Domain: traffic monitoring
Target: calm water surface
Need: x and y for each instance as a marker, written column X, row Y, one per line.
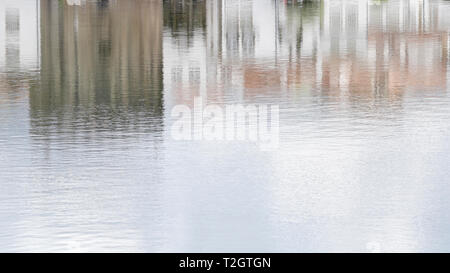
column 87, row 161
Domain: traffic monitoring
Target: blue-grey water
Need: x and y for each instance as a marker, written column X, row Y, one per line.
column 88, row 161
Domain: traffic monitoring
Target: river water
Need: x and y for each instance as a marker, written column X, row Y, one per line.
column 88, row 161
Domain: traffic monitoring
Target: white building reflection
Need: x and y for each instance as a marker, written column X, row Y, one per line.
column 19, row 35
column 19, row 48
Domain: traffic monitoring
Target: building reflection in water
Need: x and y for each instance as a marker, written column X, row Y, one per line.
column 19, row 60
column 101, row 66
column 362, row 88
column 338, row 49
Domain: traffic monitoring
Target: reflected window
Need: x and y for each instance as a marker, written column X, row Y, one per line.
column 12, row 21
column 12, row 24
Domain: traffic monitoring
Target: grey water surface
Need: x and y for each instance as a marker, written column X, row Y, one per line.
column 88, row 161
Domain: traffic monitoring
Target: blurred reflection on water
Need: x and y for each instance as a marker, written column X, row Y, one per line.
column 87, row 162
